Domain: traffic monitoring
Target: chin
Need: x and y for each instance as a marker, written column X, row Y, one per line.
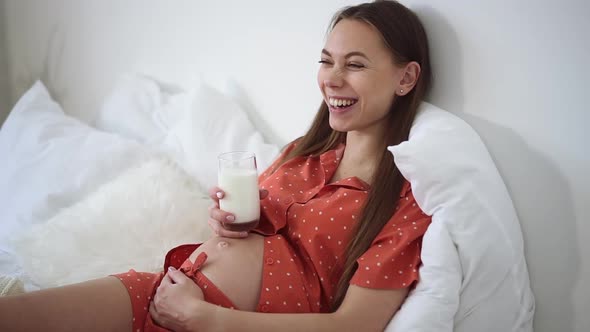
column 338, row 126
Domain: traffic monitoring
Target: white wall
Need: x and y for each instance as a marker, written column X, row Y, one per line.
column 516, row 70
column 4, row 79
column 81, row 46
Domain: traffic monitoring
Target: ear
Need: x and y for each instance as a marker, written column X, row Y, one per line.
column 411, row 73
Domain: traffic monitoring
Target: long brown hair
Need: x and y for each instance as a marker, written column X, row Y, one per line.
column 405, row 37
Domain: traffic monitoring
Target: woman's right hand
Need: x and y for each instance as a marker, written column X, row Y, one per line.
column 218, row 217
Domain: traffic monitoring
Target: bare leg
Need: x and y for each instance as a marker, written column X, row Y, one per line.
column 97, row 305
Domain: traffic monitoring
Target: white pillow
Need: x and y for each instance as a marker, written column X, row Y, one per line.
column 474, row 275
column 135, row 106
column 192, row 127
column 130, row 222
column 213, row 124
column 51, row 160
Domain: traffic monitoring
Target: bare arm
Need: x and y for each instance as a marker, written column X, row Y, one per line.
column 363, row 309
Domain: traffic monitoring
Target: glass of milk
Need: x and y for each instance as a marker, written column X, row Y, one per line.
column 238, row 178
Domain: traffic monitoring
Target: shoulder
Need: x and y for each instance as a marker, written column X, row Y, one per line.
column 285, row 151
column 290, row 146
column 407, row 215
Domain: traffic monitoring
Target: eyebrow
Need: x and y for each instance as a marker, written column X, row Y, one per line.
column 348, row 55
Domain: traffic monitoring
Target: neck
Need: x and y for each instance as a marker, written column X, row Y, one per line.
column 362, row 154
column 361, row 149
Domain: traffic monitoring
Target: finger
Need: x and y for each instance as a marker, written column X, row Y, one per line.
column 218, row 229
column 211, row 207
column 154, row 312
column 166, row 280
column 177, row 276
column 263, row 193
column 160, row 319
column 216, row 194
column 221, row 216
column 215, row 226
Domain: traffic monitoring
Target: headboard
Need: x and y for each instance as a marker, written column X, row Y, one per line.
column 515, row 70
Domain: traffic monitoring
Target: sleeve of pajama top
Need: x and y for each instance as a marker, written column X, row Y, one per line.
column 393, row 259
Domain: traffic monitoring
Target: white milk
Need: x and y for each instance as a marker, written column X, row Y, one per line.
column 241, row 193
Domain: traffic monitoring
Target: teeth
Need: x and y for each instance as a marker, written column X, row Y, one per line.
column 340, row 102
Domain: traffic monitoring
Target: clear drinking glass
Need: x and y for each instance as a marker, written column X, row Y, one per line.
column 237, row 176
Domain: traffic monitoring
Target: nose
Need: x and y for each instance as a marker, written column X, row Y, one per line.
column 333, row 78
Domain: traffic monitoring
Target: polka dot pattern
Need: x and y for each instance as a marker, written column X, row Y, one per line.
column 390, row 261
column 308, row 222
column 141, row 286
column 309, row 227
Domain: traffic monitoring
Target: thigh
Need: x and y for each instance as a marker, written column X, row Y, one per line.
column 96, row 305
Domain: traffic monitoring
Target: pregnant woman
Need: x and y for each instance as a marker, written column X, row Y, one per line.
column 340, row 233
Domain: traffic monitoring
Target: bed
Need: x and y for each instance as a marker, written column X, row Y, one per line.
column 93, row 131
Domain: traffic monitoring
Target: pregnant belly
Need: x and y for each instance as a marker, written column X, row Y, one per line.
column 235, row 267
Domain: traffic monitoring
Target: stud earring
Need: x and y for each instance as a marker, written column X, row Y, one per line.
column 401, row 91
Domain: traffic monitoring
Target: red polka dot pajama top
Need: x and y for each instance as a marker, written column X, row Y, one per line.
column 309, row 220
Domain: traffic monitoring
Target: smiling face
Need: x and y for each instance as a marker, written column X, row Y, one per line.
column 357, row 77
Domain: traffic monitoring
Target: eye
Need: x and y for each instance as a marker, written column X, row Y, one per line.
column 356, row 65
column 324, row 62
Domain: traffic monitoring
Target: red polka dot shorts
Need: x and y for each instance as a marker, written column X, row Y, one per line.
column 142, row 286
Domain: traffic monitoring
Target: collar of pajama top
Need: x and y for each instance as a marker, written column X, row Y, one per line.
column 304, row 181
column 317, row 218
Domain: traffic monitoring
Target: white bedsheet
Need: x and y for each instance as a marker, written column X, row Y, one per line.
column 466, row 285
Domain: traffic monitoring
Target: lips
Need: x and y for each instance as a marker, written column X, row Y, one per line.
column 340, row 110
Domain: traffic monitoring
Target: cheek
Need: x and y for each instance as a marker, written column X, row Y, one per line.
column 320, row 79
column 387, row 98
column 384, row 92
column 384, row 105
column 377, row 102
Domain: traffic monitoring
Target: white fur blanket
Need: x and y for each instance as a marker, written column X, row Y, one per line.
column 130, row 222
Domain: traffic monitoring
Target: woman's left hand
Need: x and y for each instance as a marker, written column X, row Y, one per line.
column 175, row 303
